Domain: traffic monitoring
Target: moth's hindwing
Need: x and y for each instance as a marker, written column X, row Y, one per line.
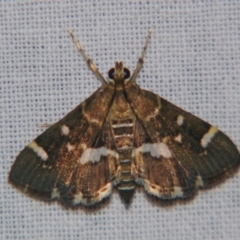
column 175, row 152
column 72, row 160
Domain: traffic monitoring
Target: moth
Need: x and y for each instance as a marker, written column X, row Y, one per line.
column 123, row 136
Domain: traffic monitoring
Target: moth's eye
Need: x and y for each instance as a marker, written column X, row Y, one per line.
column 111, row 73
column 126, row 73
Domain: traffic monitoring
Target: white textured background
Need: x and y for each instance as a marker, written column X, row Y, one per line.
column 193, row 60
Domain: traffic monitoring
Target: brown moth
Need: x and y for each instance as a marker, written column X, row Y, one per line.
column 123, row 136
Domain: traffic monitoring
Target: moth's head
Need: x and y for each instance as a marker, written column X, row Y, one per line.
column 119, row 74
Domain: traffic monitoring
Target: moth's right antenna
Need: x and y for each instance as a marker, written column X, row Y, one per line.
column 141, row 58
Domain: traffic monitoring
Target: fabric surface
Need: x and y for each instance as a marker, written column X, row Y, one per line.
column 193, row 60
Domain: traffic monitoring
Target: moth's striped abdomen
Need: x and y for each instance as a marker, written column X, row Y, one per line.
column 123, row 138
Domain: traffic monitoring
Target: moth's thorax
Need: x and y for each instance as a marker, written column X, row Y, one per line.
column 120, row 108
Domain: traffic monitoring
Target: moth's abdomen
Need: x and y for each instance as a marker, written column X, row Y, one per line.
column 123, row 138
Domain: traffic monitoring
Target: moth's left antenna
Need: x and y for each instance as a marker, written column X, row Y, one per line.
column 89, row 62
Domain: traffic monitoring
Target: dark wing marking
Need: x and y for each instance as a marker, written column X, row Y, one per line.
column 176, row 152
column 93, row 180
column 49, row 167
column 158, row 169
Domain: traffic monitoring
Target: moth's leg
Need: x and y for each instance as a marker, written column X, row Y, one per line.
column 141, row 58
column 90, row 63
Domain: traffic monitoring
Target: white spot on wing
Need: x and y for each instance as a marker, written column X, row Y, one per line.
column 38, row 150
column 207, row 137
column 165, row 139
column 161, row 192
column 177, row 192
column 83, row 146
column 180, row 120
column 155, row 149
column 65, row 130
column 154, row 114
column 89, row 117
column 199, row 181
column 178, row 138
column 100, row 194
column 105, row 191
column 94, row 154
column 152, row 188
column 70, row 147
column 78, row 198
column 55, row 193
